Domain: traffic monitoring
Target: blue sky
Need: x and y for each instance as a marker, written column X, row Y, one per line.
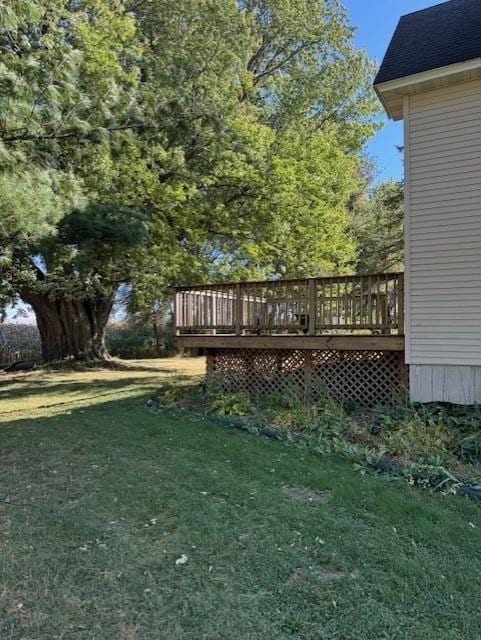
column 375, row 21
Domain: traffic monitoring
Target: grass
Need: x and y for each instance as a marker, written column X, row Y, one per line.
column 105, row 495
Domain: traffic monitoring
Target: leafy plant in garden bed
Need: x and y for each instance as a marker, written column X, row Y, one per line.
column 436, row 446
column 233, row 404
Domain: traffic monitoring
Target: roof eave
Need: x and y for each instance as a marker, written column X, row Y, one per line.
column 384, row 102
column 392, row 92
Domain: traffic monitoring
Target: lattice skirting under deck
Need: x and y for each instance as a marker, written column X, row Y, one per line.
column 368, row 378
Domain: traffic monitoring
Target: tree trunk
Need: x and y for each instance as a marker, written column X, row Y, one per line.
column 71, row 329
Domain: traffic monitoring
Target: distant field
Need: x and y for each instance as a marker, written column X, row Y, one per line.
column 18, row 342
column 119, row 522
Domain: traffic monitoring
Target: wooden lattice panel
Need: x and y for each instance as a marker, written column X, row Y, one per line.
column 365, row 377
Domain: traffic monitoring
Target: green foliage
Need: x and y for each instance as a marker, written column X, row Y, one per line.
column 173, row 394
column 290, row 413
column 67, row 70
column 28, row 211
column 308, row 180
column 417, row 440
column 305, row 66
column 426, row 445
column 62, row 93
column 29, row 206
column 231, row 404
column 469, row 448
column 429, row 434
column 378, row 227
column 137, row 339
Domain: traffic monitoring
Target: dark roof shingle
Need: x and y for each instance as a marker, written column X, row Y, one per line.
column 431, row 38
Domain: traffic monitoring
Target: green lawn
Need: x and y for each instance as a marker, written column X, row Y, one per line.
column 106, row 494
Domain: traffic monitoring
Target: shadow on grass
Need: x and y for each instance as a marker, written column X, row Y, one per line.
column 113, row 365
column 121, row 366
column 100, row 416
column 25, row 386
column 29, row 388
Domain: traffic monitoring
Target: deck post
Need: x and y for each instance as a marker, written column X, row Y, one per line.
column 400, row 319
column 312, row 306
column 177, row 310
column 238, row 310
column 210, row 364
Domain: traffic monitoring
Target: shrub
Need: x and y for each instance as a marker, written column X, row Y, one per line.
column 232, row 404
column 130, row 340
column 19, row 342
column 290, row 413
column 469, row 448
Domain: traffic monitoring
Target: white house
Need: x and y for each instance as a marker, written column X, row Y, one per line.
column 431, row 78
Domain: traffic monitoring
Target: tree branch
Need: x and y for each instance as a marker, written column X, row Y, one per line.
column 33, row 137
column 38, row 272
column 269, row 70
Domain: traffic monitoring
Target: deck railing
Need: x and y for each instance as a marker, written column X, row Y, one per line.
column 342, row 304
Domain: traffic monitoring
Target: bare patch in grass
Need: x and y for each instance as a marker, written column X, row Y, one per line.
column 128, row 631
column 298, row 576
column 302, row 494
column 326, row 575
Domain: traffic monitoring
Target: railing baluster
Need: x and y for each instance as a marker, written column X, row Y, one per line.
column 338, row 301
column 360, row 324
column 207, row 303
column 214, row 311
column 395, row 297
column 344, row 305
column 369, row 301
column 230, row 320
column 238, row 310
column 352, row 300
column 322, row 303
column 386, row 303
column 312, row 308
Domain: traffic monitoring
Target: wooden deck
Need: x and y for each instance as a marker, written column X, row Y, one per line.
column 328, row 343
column 342, row 335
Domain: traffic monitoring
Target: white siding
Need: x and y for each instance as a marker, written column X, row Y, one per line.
column 443, row 237
column 445, row 383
